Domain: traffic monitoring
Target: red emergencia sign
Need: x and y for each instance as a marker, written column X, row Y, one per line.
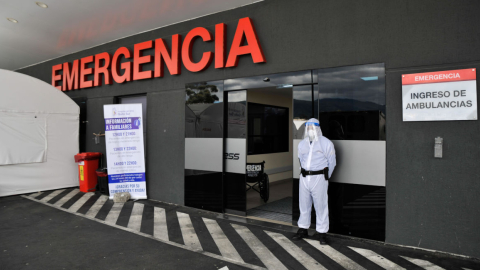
column 105, row 68
column 449, row 95
column 440, row 76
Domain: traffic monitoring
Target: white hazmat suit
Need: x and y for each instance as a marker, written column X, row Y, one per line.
column 315, row 153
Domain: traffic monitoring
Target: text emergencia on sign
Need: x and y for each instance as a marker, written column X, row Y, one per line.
column 440, row 96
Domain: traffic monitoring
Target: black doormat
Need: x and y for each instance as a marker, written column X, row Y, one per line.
column 280, row 210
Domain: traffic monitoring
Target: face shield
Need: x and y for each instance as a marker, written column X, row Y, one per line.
column 312, row 130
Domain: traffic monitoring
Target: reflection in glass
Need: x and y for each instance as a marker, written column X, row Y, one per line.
column 302, row 108
column 363, row 125
column 352, row 88
column 235, row 145
column 352, row 102
column 270, row 80
column 204, row 110
column 314, row 76
column 302, row 111
column 351, row 106
column 203, row 119
column 237, row 115
column 237, row 96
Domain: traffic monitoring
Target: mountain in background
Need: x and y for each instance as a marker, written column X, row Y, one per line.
column 302, row 108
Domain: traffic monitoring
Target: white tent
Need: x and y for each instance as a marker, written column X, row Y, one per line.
column 38, row 136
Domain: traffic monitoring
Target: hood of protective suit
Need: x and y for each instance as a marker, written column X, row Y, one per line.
column 312, row 130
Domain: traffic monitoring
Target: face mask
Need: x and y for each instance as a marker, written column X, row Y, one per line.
column 311, row 134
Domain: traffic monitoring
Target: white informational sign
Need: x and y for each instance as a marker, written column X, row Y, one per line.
column 125, row 154
column 440, row 96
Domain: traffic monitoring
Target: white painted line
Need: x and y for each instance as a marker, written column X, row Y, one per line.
column 80, row 202
column 338, row 257
column 67, row 197
column 377, row 259
column 160, row 230
column 93, row 211
column 114, row 213
column 188, row 232
column 52, row 195
column 223, row 244
column 296, row 252
column 224, row 268
column 33, row 195
column 423, row 264
column 262, row 252
column 135, row 221
column 205, row 253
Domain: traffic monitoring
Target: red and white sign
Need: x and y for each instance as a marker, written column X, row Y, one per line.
column 106, row 69
column 440, row 76
column 440, row 96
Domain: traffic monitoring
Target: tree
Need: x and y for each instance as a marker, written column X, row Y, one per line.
column 201, row 93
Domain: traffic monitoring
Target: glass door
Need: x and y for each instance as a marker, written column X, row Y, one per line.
column 204, row 145
column 304, row 108
column 352, row 115
column 235, row 155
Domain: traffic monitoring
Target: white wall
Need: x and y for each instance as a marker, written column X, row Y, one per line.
column 282, row 98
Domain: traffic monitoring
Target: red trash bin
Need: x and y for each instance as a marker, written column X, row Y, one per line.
column 87, row 166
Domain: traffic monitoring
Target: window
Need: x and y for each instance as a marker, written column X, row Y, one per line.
column 352, row 102
column 267, row 129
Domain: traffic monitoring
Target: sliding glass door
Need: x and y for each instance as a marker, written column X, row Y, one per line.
column 235, row 155
column 204, row 145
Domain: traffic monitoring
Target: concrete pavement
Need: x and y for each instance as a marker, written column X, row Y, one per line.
column 70, row 230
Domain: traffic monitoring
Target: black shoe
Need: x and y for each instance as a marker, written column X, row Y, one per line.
column 301, row 233
column 322, row 237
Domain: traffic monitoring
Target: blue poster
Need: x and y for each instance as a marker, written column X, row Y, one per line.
column 125, row 152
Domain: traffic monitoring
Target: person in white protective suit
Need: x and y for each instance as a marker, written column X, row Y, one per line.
column 317, row 160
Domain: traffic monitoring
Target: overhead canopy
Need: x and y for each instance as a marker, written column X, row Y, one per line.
column 38, row 136
column 66, row 27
